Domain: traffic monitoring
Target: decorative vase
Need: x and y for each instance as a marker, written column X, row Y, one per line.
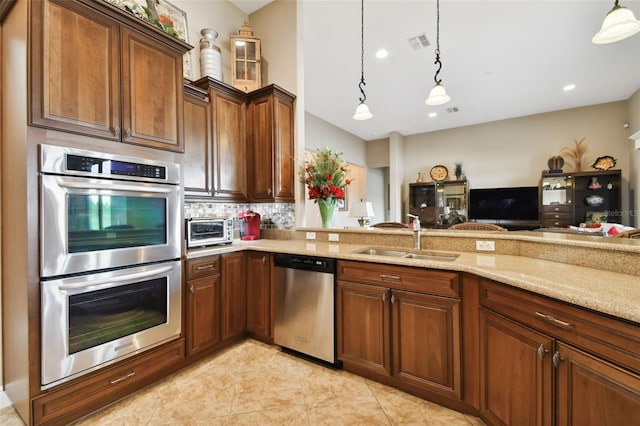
column 326, row 206
column 210, row 57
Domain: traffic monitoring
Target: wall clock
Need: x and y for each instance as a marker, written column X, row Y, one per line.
column 439, row 172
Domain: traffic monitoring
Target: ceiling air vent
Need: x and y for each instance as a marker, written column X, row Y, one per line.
column 452, row 109
column 419, row 41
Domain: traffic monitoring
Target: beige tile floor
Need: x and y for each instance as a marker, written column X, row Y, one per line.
column 255, row 384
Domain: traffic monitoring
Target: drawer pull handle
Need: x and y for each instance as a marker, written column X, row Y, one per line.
column 389, row 277
column 556, row 359
column 204, row 267
column 123, row 378
column 541, row 351
column 553, row 320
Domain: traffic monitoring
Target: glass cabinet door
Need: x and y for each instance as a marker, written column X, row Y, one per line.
column 556, row 200
column 452, row 203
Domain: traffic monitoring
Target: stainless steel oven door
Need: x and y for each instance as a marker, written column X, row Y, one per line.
column 91, row 320
column 90, row 224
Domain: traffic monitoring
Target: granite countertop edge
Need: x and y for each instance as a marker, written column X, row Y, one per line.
column 611, row 293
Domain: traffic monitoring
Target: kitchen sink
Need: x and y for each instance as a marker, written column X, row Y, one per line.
column 436, row 256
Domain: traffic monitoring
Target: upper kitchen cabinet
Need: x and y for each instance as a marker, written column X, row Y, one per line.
column 228, row 127
column 271, row 144
column 197, row 142
column 99, row 71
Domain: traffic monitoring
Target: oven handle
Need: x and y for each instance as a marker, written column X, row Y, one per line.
column 82, row 185
column 127, row 277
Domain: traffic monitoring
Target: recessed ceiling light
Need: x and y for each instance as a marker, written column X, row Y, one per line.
column 569, row 87
column 433, row 114
column 382, row 53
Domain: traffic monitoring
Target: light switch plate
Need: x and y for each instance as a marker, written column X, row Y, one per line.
column 485, row 245
column 311, row 235
column 334, row 237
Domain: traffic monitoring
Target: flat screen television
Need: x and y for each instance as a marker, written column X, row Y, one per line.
column 504, row 204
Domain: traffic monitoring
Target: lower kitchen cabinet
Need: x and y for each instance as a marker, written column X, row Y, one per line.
column 392, row 329
column 516, row 368
column 216, row 301
column 259, row 297
column 203, row 302
column 545, row 362
column 233, row 297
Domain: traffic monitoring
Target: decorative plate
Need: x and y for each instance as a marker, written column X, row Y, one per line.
column 604, row 163
column 439, row 172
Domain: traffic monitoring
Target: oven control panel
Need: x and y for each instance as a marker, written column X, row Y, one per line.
column 114, row 167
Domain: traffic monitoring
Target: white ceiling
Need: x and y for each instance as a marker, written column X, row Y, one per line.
column 501, row 59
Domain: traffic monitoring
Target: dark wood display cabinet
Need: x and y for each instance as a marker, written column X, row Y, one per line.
column 581, row 197
column 439, row 204
column 98, row 71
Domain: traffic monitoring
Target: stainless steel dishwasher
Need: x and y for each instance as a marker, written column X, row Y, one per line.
column 304, row 305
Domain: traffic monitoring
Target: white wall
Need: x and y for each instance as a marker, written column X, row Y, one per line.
column 378, row 192
column 514, row 152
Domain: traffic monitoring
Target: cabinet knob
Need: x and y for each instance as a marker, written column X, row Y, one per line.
column 384, row 297
column 557, row 209
column 556, row 359
column 116, row 132
column 393, row 299
column 269, row 191
column 193, row 290
column 128, row 133
column 541, row 351
column 264, row 259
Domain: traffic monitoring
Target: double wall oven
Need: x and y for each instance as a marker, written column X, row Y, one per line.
column 110, row 274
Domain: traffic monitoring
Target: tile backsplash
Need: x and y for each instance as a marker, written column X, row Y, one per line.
column 272, row 215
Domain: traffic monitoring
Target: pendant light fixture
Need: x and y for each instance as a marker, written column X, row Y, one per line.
column 619, row 24
column 438, row 94
column 362, row 111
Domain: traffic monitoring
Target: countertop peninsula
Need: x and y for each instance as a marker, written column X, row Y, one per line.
column 613, row 293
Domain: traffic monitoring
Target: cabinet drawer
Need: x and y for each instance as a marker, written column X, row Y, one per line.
column 614, row 339
column 557, row 208
column 95, row 391
column 207, row 266
column 401, row 277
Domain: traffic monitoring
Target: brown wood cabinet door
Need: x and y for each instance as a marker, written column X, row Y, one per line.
column 271, row 138
column 516, row 373
column 197, row 147
column 203, row 313
column 261, row 151
column 75, row 70
column 284, row 170
column 229, row 147
column 234, row 296
column 259, row 296
column 364, row 328
column 426, row 342
column 152, row 86
column 592, row 391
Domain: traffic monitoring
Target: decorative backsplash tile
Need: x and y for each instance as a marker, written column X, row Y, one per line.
column 272, row 215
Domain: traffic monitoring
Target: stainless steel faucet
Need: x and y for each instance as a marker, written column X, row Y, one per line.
column 416, row 231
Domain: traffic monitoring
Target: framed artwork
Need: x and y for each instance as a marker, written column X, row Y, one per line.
column 172, row 20
column 179, row 19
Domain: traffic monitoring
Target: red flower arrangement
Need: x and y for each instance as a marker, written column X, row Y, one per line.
column 325, row 175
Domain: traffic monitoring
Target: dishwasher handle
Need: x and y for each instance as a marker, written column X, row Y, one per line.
column 305, row 263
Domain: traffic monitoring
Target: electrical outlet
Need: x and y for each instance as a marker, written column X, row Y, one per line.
column 311, row 235
column 485, row 245
column 334, row 237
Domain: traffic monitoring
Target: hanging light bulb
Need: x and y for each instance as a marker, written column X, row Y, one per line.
column 438, row 94
column 362, row 110
column 619, row 24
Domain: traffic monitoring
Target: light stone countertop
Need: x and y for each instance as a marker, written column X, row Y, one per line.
column 612, row 293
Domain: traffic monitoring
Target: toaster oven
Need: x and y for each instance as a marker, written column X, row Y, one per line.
column 201, row 232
